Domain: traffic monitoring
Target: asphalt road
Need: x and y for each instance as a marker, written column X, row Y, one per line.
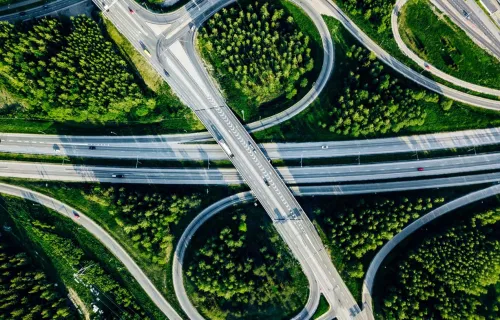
column 229, row 176
column 176, row 147
column 102, row 236
column 426, row 65
column 414, row 226
column 41, row 11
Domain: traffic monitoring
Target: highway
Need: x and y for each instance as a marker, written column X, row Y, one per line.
column 41, row 11
column 229, row 176
column 177, row 147
column 451, row 206
column 101, row 235
column 239, row 198
column 426, row 65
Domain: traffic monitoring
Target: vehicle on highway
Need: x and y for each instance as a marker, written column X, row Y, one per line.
column 251, row 146
column 76, row 215
column 226, row 149
column 105, row 6
column 324, row 147
column 420, row 169
column 266, row 181
column 22, row 13
column 117, row 175
column 131, row 10
column 427, row 66
column 92, row 147
column 45, row 6
column 146, row 52
column 166, row 73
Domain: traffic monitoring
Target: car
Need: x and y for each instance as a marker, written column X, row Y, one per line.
column 45, row 6
column 105, row 6
column 324, row 147
column 131, row 10
column 420, row 169
column 76, row 215
column 146, row 52
column 117, row 175
column 22, row 13
column 92, row 147
column 265, row 181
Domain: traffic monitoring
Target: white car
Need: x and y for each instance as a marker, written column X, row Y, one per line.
column 324, row 147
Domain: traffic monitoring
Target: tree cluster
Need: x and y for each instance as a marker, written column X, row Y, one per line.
column 69, row 72
column 236, row 267
column 448, row 275
column 148, row 217
column 372, row 102
column 25, row 291
column 109, row 295
column 365, row 226
column 260, row 48
column 376, row 12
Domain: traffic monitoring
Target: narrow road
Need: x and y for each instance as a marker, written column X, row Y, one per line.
column 100, row 234
column 414, row 226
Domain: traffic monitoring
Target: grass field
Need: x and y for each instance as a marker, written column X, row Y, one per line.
column 80, row 196
column 19, row 214
column 323, row 307
column 304, row 127
column 446, row 46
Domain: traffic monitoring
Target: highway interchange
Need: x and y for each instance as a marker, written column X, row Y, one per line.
column 167, row 42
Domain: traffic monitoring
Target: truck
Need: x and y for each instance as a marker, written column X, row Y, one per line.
column 222, row 143
column 226, row 149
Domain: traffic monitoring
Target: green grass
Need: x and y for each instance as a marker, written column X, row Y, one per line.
column 304, row 127
column 80, row 196
column 18, row 213
column 446, row 46
column 245, row 108
column 323, row 307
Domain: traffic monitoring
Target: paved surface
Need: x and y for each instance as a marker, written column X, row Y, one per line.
column 411, row 228
column 102, row 236
column 178, row 147
column 229, row 176
column 331, row 9
column 426, row 65
column 42, row 11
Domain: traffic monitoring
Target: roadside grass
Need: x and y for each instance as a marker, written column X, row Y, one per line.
column 246, row 110
column 304, row 127
column 446, row 46
column 323, row 307
column 18, row 213
column 261, row 233
column 81, row 197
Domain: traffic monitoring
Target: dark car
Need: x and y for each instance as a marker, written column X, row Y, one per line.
column 76, row 215
column 117, row 176
column 91, row 147
column 22, row 13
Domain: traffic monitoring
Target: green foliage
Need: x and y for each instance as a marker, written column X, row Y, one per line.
column 373, row 102
column 236, row 267
column 447, row 275
column 362, row 226
column 148, row 217
column 260, row 48
column 70, row 74
column 25, row 291
column 376, row 12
